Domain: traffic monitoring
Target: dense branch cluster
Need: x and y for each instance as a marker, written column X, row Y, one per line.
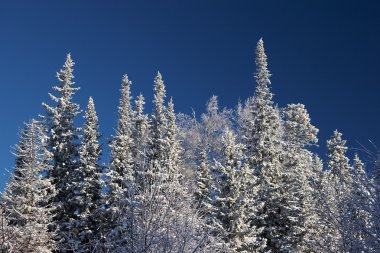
column 231, row 180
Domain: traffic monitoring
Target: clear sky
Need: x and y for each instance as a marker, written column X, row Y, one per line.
column 324, row 54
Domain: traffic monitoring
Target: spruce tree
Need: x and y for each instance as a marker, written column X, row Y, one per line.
column 121, row 171
column 337, row 188
column 299, row 133
column 363, row 234
column 140, row 139
column 27, row 213
column 204, row 186
column 121, row 181
column 233, row 207
column 263, row 151
column 88, row 185
column 64, row 146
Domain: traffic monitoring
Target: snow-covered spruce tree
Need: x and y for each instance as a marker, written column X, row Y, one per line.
column 88, row 186
column 158, row 140
column 120, row 181
column 264, row 147
column 25, row 199
column 204, row 186
column 140, row 139
column 318, row 228
column 297, row 160
column 64, row 146
column 337, row 188
column 233, row 207
column 361, row 222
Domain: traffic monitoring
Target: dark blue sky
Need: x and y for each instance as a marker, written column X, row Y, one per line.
column 324, row 54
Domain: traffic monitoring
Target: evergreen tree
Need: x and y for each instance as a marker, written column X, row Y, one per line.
column 64, row 146
column 25, row 199
column 298, row 134
column 140, row 139
column 204, row 186
column 121, row 171
column 233, row 208
column 337, row 188
column 88, row 185
column 361, row 222
column 121, row 174
column 264, row 147
column 158, row 141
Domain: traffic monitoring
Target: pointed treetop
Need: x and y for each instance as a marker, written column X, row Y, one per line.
column 159, row 82
column 358, row 164
column 139, row 104
column 262, row 73
column 125, row 79
column 159, row 88
column 125, row 101
column 66, row 73
column 338, row 163
column 212, row 105
column 90, row 102
column 90, row 112
column 171, row 104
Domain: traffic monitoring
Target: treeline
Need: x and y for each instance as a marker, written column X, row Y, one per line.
column 231, row 180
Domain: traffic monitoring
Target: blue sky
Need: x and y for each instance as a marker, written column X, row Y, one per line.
column 324, row 54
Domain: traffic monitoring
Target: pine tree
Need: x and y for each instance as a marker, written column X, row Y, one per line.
column 25, row 199
column 89, row 186
column 64, row 146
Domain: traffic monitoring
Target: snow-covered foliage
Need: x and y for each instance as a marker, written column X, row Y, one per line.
column 63, row 143
column 26, row 215
column 228, row 180
column 88, row 186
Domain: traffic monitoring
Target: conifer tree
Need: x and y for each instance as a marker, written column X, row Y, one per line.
column 64, row 146
column 300, row 133
column 337, row 188
column 204, row 188
column 233, row 207
column 158, row 141
column 361, row 221
column 121, row 171
column 140, row 139
column 89, row 186
column 121, row 181
column 263, row 151
column 25, row 199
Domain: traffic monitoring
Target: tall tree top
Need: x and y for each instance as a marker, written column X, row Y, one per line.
column 160, row 92
column 262, row 73
column 338, row 163
column 90, row 115
column 65, row 75
column 125, row 109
